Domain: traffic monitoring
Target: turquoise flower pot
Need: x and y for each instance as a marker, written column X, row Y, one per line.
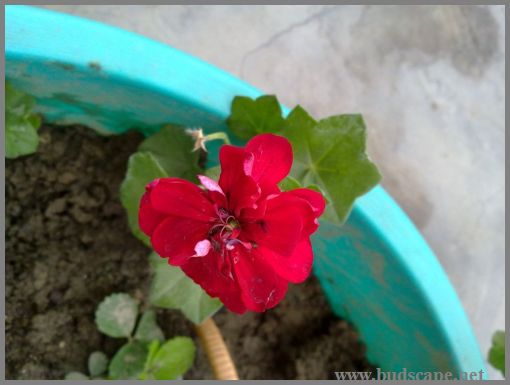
column 376, row 270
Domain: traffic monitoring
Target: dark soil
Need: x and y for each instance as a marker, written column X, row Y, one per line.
column 68, row 246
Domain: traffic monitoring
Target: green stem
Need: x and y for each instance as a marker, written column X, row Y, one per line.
column 218, row 135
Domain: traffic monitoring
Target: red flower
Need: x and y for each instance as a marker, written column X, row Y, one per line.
column 241, row 239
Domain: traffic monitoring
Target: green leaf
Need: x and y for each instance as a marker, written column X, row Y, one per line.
column 317, row 188
column 164, row 154
column 76, row 376
column 172, row 148
column 128, row 363
column 250, row 117
column 142, row 169
column 17, row 102
column 153, row 349
column 20, row 123
column 172, row 359
column 35, row 121
column 116, row 315
column 98, row 362
column 148, row 329
column 213, row 173
column 497, row 351
column 289, row 183
column 331, row 154
column 20, row 137
column 172, row 289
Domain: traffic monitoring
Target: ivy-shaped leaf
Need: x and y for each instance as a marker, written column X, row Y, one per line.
column 329, row 153
column 98, row 362
column 289, row 183
column 129, row 361
column 116, row 315
column 251, row 117
column 21, row 124
column 148, row 329
column 171, row 360
column 172, row 289
column 497, row 351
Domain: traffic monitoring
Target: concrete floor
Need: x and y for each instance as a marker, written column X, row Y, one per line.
column 429, row 81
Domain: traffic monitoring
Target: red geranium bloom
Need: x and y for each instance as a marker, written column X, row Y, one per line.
column 241, row 239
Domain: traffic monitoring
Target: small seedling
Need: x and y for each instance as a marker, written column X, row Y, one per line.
column 97, row 365
column 146, row 355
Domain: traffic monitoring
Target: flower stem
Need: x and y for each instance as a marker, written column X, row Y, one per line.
column 218, row 135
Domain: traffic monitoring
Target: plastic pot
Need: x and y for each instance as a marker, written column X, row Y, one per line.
column 377, row 271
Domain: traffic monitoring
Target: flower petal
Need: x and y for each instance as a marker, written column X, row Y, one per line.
column 314, row 198
column 316, row 202
column 231, row 161
column 181, row 198
column 176, row 238
column 294, row 268
column 261, row 287
column 241, row 190
column 283, row 224
column 204, row 271
column 210, row 184
column 244, row 195
column 148, row 217
column 254, row 214
column 272, row 159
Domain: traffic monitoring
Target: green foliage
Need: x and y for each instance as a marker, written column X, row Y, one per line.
column 145, row 355
column 213, row 173
column 329, row 153
column 148, row 329
column 497, row 351
column 289, row 183
column 251, row 117
column 172, row 289
column 167, row 153
column 170, row 360
column 97, row 365
column 98, row 362
column 116, row 315
column 172, row 148
column 77, row 376
column 142, row 169
column 129, row 361
column 21, row 124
